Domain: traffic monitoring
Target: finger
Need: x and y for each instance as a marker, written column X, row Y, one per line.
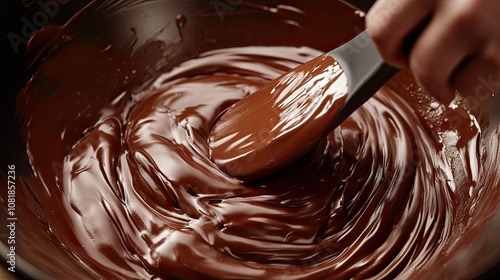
column 478, row 78
column 440, row 50
column 389, row 22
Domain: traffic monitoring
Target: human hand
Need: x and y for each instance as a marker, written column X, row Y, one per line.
column 458, row 49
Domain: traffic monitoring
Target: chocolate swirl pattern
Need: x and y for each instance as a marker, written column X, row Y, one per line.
column 115, row 179
column 372, row 200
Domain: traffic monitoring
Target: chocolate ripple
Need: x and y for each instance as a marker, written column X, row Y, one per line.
column 144, row 200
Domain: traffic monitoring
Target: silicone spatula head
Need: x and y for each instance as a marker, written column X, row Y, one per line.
column 281, row 121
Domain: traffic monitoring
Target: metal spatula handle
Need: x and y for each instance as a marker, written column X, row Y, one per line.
column 365, row 70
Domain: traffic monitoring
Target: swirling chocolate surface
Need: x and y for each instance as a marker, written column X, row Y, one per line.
column 142, row 197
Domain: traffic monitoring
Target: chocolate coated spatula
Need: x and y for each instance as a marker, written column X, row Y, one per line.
column 280, row 122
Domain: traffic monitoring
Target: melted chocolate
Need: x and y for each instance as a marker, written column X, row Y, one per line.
column 257, row 136
column 123, row 186
column 142, row 197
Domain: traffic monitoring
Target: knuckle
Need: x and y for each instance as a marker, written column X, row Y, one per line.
column 378, row 20
column 381, row 36
column 467, row 17
column 376, row 26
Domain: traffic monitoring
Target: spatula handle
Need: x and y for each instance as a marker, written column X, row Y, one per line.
column 365, row 70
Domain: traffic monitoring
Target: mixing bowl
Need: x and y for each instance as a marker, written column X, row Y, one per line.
column 121, row 46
